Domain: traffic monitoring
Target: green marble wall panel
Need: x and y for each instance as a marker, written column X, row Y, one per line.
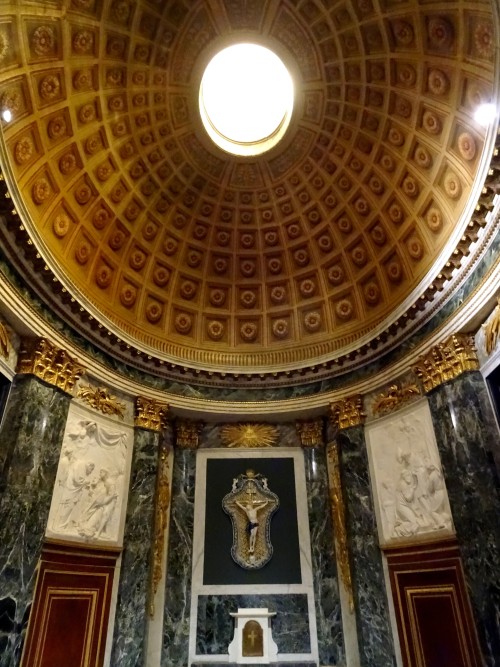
column 30, row 440
column 376, row 646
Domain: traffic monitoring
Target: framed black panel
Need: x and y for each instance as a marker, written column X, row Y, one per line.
column 284, row 566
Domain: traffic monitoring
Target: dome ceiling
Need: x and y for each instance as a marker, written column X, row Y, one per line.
column 223, row 262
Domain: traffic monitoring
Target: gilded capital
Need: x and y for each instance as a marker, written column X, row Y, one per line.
column 310, row 432
column 447, row 361
column 187, row 434
column 347, row 412
column 150, row 414
column 40, row 357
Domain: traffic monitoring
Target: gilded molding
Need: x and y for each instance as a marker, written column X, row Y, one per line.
column 99, row 398
column 4, row 341
column 338, row 518
column 396, row 395
column 40, row 357
column 492, row 329
column 447, row 361
column 187, row 434
column 310, row 432
column 162, row 504
column 347, row 412
column 249, row 435
column 150, row 414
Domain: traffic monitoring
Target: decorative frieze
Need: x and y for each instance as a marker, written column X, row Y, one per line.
column 160, row 523
column 310, row 432
column 394, row 397
column 338, row 518
column 100, row 398
column 150, row 414
column 40, row 357
column 447, row 361
column 347, row 412
column 249, row 435
column 187, row 434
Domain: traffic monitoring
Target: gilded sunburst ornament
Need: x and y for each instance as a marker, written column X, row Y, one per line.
column 249, row 435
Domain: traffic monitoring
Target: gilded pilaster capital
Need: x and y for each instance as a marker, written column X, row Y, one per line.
column 40, row 357
column 347, row 412
column 310, row 433
column 187, row 434
column 446, row 361
column 150, row 414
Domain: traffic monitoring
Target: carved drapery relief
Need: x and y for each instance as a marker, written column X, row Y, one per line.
column 251, row 504
column 492, row 329
column 447, row 361
column 42, row 358
column 90, row 483
column 310, row 432
column 409, row 486
column 4, row 341
column 160, row 523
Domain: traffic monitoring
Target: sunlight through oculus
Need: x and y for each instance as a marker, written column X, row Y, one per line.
column 246, row 99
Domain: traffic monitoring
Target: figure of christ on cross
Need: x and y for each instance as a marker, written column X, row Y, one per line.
column 251, row 507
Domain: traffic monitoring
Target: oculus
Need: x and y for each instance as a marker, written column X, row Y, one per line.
column 246, row 99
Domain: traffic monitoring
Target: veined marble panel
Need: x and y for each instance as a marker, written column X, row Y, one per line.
column 411, row 501
column 217, row 594
column 90, row 493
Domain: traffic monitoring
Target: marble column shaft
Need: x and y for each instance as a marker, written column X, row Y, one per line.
column 31, row 435
column 376, row 646
column 179, row 561
column 326, row 587
column 129, row 639
column 466, row 431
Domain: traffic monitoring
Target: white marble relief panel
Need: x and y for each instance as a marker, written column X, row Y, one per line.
column 91, row 488
column 407, row 479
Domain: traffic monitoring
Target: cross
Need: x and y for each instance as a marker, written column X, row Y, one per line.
column 252, row 636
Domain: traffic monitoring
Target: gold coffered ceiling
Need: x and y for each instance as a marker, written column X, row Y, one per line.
column 244, row 263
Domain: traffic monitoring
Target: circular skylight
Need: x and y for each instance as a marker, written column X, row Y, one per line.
column 246, row 99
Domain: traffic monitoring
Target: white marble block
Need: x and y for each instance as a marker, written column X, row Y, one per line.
column 253, row 641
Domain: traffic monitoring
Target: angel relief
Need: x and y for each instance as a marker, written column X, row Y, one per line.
column 251, row 504
column 89, row 482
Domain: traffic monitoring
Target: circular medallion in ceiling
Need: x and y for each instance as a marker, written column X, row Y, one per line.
column 253, row 262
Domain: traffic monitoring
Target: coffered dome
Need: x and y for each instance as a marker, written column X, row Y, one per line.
column 201, row 258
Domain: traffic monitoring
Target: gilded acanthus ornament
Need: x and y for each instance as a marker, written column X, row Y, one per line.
column 43, row 359
column 249, row 435
column 338, row 518
column 160, row 523
column 310, row 432
column 99, row 398
column 150, row 414
column 447, row 361
column 347, row 412
column 397, row 394
column 4, row 341
column 492, row 329
column 187, row 434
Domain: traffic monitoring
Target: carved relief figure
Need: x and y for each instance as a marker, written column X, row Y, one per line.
column 89, row 482
column 411, row 489
column 251, row 504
